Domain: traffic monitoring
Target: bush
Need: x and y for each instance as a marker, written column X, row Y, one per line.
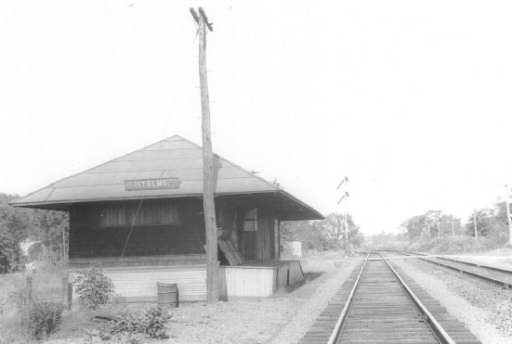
column 154, row 323
column 93, row 287
column 44, row 318
column 150, row 322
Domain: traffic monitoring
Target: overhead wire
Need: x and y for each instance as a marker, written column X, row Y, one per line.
column 131, row 229
column 179, row 85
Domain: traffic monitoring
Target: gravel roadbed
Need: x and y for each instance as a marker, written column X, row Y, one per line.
column 485, row 309
column 313, row 307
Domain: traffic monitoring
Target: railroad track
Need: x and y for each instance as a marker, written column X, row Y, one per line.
column 378, row 304
column 495, row 275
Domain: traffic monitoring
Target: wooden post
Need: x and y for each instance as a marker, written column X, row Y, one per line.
column 277, row 239
column 70, row 296
column 64, row 289
column 210, row 221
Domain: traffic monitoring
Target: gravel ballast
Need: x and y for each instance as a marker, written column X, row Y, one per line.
column 485, row 309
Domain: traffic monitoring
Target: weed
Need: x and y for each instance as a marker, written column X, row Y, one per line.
column 150, row 322
column 154, row 323
column 43, row 318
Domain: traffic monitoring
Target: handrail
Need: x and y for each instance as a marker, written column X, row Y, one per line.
column 341, row 318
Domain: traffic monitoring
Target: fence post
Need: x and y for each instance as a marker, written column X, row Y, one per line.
column 64, row 285
column 70, row 295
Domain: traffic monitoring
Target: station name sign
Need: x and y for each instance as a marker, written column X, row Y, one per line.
column 152, row 184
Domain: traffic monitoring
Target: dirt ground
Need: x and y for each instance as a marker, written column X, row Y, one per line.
column 280, row 319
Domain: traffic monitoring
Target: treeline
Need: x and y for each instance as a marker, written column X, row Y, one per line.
column 50, row 228
column 432, row 224
column 489, row 223
column 328, row 234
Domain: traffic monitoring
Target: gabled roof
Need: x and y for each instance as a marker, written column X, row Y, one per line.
column 173, row 160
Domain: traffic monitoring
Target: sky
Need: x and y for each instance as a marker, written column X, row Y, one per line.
column 409, row 99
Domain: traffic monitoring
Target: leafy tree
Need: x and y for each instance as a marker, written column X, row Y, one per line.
column 335, row 224
column 490, row 223
column 49, row 227
column 430, row 224
column 415, row 226
column 14, row 221
column 323, row 235
column 18, row 224
column 10, row 253
column 311, row 232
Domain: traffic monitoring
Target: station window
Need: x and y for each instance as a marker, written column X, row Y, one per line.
column 149, row 214
column 251, row 220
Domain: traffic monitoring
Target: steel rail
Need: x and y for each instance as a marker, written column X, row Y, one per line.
column 502, row 283
column 476, row 274
column 477, row 264
column 343, row 314
column 438, row 329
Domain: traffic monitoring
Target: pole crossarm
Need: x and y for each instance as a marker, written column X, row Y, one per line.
column 203, row 15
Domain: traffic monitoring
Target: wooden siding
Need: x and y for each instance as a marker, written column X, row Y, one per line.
column 139, row 284
column 88, row 239
column 258, row 279
column 245, row 281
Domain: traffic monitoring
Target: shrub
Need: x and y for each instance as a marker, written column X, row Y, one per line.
column 44, row 318
column 93, row 287
column 126, row 323
column 150, row 322
column 154, row 323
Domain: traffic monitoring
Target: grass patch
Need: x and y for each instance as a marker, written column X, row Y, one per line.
column 457, row 244
column 46, row 286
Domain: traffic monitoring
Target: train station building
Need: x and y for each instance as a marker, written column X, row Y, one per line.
column 141, row 216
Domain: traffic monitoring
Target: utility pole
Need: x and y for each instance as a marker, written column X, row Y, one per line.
column 474, row 224
column 210, row 222
column 507, row 204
